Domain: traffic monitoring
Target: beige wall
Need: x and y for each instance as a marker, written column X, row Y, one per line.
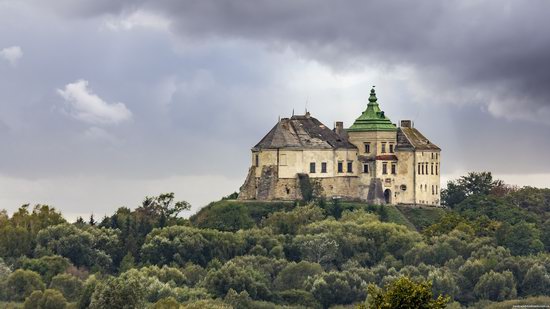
column 292, row 162
column 426, row 179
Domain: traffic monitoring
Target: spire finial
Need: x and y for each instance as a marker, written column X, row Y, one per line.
column 372, row 97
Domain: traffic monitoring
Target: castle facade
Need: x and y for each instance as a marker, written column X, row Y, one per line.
column 373, row 160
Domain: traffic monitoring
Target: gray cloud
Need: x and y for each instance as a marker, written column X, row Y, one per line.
column 495, row 53
column 205, row 80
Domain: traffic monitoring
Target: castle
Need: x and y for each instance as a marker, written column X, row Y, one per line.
column 373, row 161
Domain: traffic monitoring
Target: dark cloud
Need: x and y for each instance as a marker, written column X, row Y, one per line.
column 495, row 53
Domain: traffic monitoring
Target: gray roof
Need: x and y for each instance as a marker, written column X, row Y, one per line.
column 411, row 139
column 302, row 132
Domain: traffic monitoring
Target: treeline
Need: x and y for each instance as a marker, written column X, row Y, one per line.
column 492, row 245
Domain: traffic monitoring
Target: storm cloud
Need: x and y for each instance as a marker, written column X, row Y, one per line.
column 494, row 53
column 115, row 100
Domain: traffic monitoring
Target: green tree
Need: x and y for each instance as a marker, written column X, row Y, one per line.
column 522, row 238
column 226, row 217
column 49, row 299
column 69, row 285
column 474, row 183
column 337, row 288
column 239, row 278
column 123, row 292
column 294, row 275
column 21, row 283
column 166, row 303
column 496, row 286
column 405, row 293
column 289, row 222
column 47, row 266
column 536, row 281
column 90, row 247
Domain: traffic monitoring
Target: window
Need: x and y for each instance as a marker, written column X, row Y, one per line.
column 418, row 171
column 340, row 167
column 384, row 168
column 393, row 168
column 367, row 147
column 437, row 169
column 391, row 148
column 282, row 159
column 432, row 155
column 432, row 168
column 257, row 158
column 383, row 147
column 436, row 189
column 312, row 167
column 365, row 168
column 422, row 166
column 323, row 167
column 350, row 166
column 433, row 189
column 403, row 188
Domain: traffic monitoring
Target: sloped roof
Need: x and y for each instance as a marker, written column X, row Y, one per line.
column 411, row 138
column 302, row 132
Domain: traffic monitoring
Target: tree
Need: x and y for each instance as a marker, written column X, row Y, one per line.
column 496, row 286
column 228, row 216
column 405, row 293
column 123, row 292
column 69, row 285
column 239, row 278
column 522, row 238
column 337, row 288
column 294, row 275
column 21, row 283
column 163, row 205
column 166, row 303
column 320, row 248
column 49, row 299
column 289, row 222
column 90, row 247
column 536, row 281
column 474, row 183
column 47, row 266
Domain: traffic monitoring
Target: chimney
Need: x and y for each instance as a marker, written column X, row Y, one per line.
column 339, row 127
column 406, row 124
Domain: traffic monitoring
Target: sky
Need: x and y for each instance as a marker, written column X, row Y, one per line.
column 104, row 102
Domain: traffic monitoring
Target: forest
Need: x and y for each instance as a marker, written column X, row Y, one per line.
column 488, row 247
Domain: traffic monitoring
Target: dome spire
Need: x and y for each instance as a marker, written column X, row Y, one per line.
column 373, row 118
column 372, row 98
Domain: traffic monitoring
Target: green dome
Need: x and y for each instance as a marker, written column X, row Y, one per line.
column 372, row 119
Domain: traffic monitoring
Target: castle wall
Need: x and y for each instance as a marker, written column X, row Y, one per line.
column 290, row 162
column 428, row 189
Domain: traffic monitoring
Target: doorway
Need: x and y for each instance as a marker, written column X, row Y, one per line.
column 387, row 196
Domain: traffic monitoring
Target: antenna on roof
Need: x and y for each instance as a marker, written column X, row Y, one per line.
column 293, row 112
column 307, row 101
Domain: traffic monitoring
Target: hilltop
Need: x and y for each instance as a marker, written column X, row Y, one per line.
column 489, row 248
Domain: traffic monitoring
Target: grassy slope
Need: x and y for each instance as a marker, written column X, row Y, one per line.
column 413, row 218
column 421, row 217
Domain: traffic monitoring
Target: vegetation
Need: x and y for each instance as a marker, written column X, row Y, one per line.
column 489, row 249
